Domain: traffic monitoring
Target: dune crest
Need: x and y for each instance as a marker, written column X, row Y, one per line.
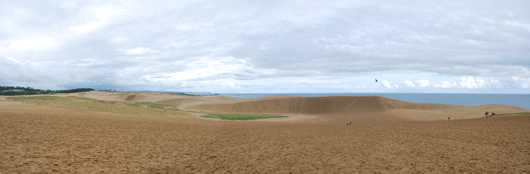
column 352, row 108
column 327, row 109
column 318, row 105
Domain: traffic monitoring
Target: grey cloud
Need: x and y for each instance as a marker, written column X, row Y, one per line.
column 392, row 38
column 292, row 39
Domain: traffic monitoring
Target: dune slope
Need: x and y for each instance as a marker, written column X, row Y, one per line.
column 48, row 139
column 349, row 108
column 327, row 109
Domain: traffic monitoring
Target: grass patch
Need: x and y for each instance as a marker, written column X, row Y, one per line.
column 36, row 98
column 157, row 105
column 237, row 116
column 93, row 105
column 134, row 104
column 519, row 113
column 121, row 94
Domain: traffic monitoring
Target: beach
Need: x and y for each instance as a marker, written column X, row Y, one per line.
column 386, row 136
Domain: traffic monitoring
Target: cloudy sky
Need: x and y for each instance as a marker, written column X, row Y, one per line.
column 268, row 46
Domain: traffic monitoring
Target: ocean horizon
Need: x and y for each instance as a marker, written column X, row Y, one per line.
column 463, row 99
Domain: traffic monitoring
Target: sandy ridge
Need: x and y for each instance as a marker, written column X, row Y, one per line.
column 330, row 109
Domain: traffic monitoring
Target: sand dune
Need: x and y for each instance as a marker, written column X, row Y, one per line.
column 386, row 136
column 46, row 139
column 328, row 109
column 347, row 108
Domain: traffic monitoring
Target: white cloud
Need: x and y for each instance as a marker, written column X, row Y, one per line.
column 17, row 73
column 386, row 84
column 138, row 50
column 422, row 83
column 219, row 83
column 12, row 59
column 479, row 83
column 521, row 83
column 409, row 83
column 315, row 81
column 470, row 83
column 358, row 86
column 445, row 84
column 203, row 68
column 98, row 17
column 496, row 84
column 230, row 84
column 33, row 43
column 107, row 12
column 88, row 27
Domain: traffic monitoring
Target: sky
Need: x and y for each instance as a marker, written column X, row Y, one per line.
column 268, row 46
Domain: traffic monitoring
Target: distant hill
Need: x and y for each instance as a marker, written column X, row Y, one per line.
column 12, row 90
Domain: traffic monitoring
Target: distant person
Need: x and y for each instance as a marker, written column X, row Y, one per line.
column 493, row 113
column 375, row 80
column 487, row 113
column 348, row 123
column 442, row 118
column 448, row 118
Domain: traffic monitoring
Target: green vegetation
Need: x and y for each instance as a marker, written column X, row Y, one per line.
column 93, row 105
column 519, row 113
column 121, row 94
column 156, row 105
column 11, row 90
column 237, row 116
column 133, row 108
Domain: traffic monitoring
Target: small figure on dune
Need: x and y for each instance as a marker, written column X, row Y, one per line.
column 348, row 123
column 493, row 113
column 442, row 118
column 487, row 113
column 448, row 118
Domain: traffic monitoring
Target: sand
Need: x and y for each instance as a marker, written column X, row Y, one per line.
column 386, row 136
column 341, row 109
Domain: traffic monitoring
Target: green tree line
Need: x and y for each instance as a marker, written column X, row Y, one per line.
column 17, row 90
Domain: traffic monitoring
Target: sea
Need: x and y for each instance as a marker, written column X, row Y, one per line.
column 518, row 100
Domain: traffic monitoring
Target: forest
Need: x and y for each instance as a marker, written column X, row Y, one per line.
column 17, row 90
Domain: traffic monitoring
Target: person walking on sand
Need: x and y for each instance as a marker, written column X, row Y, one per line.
column 348, row 123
